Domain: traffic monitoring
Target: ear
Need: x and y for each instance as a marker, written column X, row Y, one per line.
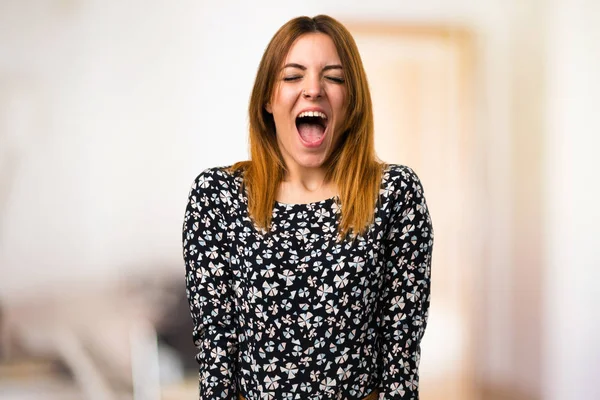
column 268, row 108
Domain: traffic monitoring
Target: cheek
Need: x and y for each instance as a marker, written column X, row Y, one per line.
column 282, row 106
column 284, row 100
column 338, row 100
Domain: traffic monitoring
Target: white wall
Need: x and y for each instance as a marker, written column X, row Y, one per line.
column 572, row 295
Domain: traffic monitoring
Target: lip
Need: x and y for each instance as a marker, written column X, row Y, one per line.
column 320, row 141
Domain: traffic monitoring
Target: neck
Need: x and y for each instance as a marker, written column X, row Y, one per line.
column 305, row 179
column 305, row 185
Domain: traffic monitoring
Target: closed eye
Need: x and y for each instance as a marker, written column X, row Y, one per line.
column 335, row 79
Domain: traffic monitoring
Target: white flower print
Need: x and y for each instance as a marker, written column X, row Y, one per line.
column 273, row 309
column 320, row 342
column 327, row 384
column 259, row 311
column 397, row 303
column 321, row 214
column 288, row 332
column 321, row 358
column 338, row 265
column 290, row 369
column 204, row 181
column 225, row 196
column 268, row 271
column 331, row 308
column 213, row 253
column 344, row 373
column 305, row 387
column 287, row 319
column 216, row 269
column 271, row 382
column 328, row 227
column 286, row 305
column 253, row 293
column 288, row 276
column 294, row 258
column 302, row 234
column 270, row 332
column 297, row 351
column 314, row 375
column 323, row 289
column 344, row 301
column 409, row 278
column 357, row 263
column 304, row 320
column 341, row 281
column 396, row 389
column 270, row 289
column 343, row 357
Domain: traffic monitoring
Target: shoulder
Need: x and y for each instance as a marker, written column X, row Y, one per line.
column 402, row 189
column 214, row 179
column 399, row 178
column 406, row 198
column 214, row 187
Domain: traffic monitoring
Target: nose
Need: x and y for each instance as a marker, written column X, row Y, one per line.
column 312, row 88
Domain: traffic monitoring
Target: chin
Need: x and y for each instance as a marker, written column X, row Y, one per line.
column 311, row 161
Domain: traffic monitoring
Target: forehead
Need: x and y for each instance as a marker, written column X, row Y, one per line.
column 312, row 48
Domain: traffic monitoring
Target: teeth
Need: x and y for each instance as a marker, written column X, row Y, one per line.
column 313, row 114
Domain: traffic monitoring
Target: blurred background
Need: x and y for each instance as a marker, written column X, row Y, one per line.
column 108, row 111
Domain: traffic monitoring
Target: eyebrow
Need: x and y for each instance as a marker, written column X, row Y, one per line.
column 303, row 68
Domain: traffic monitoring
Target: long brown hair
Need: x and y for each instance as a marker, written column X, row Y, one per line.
column 352, row 165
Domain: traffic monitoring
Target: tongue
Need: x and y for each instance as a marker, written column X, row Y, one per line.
column 310, row 132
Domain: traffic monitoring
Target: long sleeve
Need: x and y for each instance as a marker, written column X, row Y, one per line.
column 208, row 283
column 405, row 294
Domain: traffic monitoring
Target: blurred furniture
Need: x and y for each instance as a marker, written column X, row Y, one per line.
column 105, row 336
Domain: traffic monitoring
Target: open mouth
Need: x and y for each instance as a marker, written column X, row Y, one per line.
column 311, row 126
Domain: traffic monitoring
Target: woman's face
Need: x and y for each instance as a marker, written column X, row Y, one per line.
column 309, row 101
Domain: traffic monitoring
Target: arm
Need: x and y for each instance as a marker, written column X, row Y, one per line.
column 405, row 297
column 208, row 289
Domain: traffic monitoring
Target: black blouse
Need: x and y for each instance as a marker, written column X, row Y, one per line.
column 297, row 314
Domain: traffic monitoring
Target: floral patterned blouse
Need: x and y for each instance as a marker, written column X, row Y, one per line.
column 296, row 313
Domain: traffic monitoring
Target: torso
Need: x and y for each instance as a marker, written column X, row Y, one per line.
column 307, row 302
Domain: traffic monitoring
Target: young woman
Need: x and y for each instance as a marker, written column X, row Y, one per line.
column 308, row 267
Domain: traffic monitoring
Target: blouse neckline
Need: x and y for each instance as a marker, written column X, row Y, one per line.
column 307, row 205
